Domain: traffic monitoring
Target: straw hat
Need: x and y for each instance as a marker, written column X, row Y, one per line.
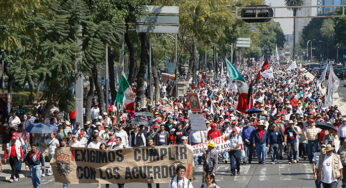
column 329, row 148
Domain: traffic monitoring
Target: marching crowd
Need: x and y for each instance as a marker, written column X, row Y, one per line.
column 290, row 108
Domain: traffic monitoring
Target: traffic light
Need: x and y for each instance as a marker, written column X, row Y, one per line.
column 257, row 13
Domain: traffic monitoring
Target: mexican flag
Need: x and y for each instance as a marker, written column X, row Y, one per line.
column 242, row 86
column 125, row 95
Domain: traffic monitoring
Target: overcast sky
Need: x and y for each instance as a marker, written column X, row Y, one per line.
column 286, row 24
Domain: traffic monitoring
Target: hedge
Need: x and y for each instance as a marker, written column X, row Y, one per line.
column 22, row 98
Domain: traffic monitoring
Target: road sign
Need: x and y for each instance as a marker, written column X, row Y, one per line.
column 160, row 19
column 243, row 42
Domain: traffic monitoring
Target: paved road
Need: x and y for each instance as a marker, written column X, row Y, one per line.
column 281, row 175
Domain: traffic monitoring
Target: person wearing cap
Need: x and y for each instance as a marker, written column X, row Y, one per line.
column 210, row 159
column 290, row 136
column 329, row 168
column 315, row 160
column 213, row 132
column 35, row 160
column 342, row 153
column 180, row 180
column 311, row 134
column 235, row 150
column 260, row 141
column 274, row 141
column 137, row 138
column 247, row 135
column 83, row 141
column 13, row 154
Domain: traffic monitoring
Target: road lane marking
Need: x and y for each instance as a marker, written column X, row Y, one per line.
column 263, row 176
column 244, row 170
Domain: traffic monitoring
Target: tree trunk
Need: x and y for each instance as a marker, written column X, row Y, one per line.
column 157, row 84
column 38, row 91
column 111, row 58
column 294, row 33
column 10, row 81
column 99, row 90
column 129, row 44
column 141, row 98
column 89, row 100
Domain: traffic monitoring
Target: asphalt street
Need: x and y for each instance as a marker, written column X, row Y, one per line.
column 282, row 175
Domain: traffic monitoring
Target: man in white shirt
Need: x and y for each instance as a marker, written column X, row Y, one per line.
column 14, row 121
column 75, row 143
column 95, row 112
column 329, row 168
column 83, row 141
column 342, row 131
column 120, row 132
column 95, row 144
column 52, row 144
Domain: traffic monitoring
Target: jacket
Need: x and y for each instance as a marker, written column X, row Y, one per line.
column 33, row 159
column 19, row 151
column 335, row 165
column 342, row 153
column 256, row 137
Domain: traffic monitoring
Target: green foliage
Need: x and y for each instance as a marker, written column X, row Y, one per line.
column 294, row 2
column 327, row 29
column 22, row 98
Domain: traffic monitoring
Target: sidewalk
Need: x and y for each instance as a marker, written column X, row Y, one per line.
column 5, row 175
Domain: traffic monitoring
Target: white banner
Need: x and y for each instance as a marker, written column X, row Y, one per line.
column 292, row 66
column 268, row 73
column 221, row 145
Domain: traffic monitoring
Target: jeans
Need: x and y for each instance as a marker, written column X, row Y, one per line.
column 330, row 185
column 312, row 148
column 50, row 171
column 14, row 164
column 36, row 176
column 302, row 149
column 235, row 160
column 65, row 185
column 19, row 166
column 248, row 148
column 318, row 183
column 291, row 148
column 261, row 152
column 275, row 151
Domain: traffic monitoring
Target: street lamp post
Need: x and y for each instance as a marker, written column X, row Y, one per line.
column 307, row 49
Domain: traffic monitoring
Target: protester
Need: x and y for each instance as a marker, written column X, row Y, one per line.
column 210, row 181
column 179, row 180
column 260, row 142
column 291, row 133
column 14, row 154
column 235, row 150
column 329, row 168
column 34, row 160
column 274, row 141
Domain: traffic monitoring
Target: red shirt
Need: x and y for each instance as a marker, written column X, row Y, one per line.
column 72, row 114
column 213, row 134
column 261, row 134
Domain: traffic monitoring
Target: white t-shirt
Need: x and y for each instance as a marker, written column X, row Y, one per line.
column 174, row 183
column 94, row 145
column 75, row 144
column 52, row 144
column 14, row 122
column 83, row 142
column 328, row 176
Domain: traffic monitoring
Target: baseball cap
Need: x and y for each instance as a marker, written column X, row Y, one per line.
column 213, row 124
column 234, row 130
column 156, row 126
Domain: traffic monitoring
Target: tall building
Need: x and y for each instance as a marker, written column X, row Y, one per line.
column 326, row 10
column 302, row 22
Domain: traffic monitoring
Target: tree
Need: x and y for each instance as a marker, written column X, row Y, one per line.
column 290, row 3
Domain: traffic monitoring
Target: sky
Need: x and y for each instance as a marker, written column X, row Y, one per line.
column 286, row 24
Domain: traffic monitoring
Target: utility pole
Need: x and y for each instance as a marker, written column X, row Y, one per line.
column 80, row 79
column 149, row 74
column 107, row 79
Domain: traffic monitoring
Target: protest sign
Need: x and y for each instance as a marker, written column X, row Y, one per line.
column 140, row 164
column 221, row 145
column 197, row 122
column 194, row 102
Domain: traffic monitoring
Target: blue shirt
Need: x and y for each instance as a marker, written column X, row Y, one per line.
column 274, row 137
column 248, row 133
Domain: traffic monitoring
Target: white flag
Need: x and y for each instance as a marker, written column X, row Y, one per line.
column 333, row 80
column 292, row 66
column 323, row 75
column 268, row 73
